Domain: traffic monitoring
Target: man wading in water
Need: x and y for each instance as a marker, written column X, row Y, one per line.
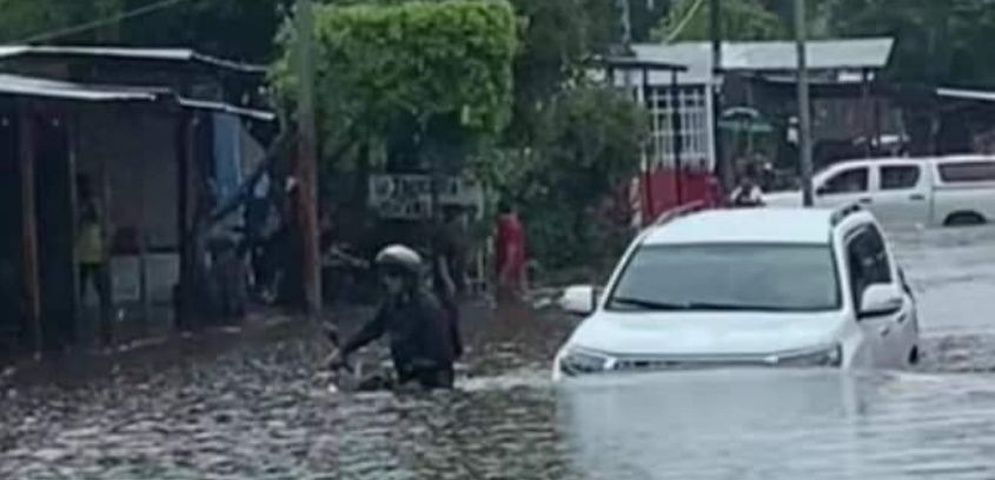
column 421, row 340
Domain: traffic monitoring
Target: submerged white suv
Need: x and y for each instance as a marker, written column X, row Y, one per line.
column 747, row 287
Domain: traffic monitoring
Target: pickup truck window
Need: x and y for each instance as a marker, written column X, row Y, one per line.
column 867, row 261
column 853, row 180
column 980, row 171
column 900, row 177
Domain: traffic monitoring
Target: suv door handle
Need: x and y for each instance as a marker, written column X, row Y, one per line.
column 885, row 330
column 865, row 200
column 917, row 197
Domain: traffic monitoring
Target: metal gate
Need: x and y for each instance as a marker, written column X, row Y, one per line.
column 693, row 106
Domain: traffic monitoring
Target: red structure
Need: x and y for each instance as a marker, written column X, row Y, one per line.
column 665, row 189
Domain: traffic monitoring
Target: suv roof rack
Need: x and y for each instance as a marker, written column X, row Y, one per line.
column 844, row 212
column 680, row 211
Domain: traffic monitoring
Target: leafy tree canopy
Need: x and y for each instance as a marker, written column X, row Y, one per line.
column 383, row 65
column 241, row 29
column 590, row 146
column 557, row 35
column 937, row 42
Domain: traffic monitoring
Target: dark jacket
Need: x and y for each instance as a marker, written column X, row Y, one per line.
column 420, row 335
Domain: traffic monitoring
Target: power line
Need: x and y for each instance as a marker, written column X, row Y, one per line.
column 92, row 25
column 685, row 21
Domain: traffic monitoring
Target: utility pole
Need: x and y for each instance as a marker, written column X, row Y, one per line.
column 626, row 22
column 626, row 12
column 306, row 164
column 804, row 104
column 715, row 31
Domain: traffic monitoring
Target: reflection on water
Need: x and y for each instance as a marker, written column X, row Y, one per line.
column 768, row 424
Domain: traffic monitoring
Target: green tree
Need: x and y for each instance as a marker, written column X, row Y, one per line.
column 422, row 68
column 23, row 19
column 557, row 36
column 646, row 14
column 239, row 29
column 741, row 20
column 937, row 43
column 242, row 29
column 589, row 147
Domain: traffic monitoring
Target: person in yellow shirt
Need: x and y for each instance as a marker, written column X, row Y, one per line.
column 90, row 252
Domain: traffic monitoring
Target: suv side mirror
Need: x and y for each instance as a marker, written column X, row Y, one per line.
column 880, row 299
column 580, row 299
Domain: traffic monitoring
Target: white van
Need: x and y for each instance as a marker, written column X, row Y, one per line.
column 942, row 191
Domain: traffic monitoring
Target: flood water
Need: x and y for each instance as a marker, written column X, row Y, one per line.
column 261, row 411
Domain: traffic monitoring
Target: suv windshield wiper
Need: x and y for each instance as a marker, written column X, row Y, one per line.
column 648, row 304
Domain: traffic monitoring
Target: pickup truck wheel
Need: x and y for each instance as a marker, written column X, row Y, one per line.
column 961, row 219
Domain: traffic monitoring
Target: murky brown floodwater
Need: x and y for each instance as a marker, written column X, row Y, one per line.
column 260, row 411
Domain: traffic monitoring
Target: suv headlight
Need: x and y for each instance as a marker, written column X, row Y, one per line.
column 830, row 357
column 579, row 362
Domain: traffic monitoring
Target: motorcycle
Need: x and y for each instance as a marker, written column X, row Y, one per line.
column 347, row 377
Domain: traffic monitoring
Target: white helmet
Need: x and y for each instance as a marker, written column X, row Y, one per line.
column 400, row 256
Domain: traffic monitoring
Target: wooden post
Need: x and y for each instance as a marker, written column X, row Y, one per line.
column 182, row 294
column 649, row 160
column 142, row 234
column 29, row 227
column 723, row 167
column 877, row 120
column 804, row 104
column 72, row 132
column 107, row 273
column 868, row 112
column 678, row 142
column 306, row 165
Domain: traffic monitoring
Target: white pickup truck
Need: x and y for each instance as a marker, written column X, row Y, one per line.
column 940, row 191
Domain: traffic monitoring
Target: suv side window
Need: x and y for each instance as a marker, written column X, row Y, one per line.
column 853, row 180
column 867, row 261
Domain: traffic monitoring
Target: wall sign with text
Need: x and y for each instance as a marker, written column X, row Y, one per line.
column 410, row 196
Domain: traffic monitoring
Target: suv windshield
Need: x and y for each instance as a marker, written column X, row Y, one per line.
column 772, row 277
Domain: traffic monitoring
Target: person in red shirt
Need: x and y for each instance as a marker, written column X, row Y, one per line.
column 509, row 250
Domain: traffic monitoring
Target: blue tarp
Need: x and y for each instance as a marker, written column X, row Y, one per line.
column 227, row 155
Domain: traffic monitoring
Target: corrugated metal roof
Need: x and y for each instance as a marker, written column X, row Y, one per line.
column 979, row 95
column 155, row 54
column 38, row 87
column 844, row 54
